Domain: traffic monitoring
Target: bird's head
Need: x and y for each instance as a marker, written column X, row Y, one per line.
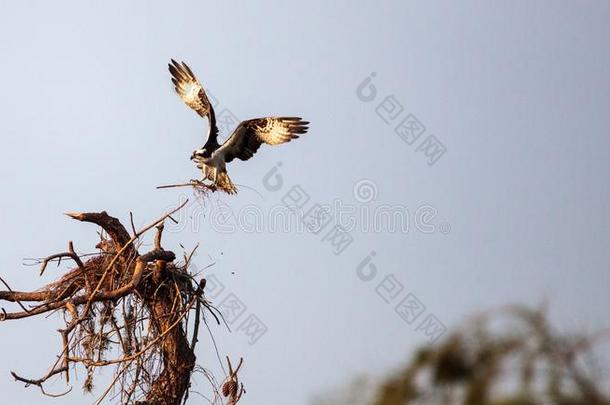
column 200, row 153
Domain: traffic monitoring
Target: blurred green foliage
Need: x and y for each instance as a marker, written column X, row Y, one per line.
column 508, row 357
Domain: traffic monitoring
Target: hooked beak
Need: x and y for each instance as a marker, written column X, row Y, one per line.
column 198, row 154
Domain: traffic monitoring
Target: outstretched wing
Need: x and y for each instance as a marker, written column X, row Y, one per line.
column 192, row 93
column 250, row 135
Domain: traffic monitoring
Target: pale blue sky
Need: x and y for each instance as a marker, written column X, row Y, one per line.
column 518, row 93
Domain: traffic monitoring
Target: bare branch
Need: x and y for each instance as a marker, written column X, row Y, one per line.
column 39, row 383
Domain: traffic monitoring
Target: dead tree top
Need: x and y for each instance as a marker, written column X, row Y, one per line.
column 123, row 308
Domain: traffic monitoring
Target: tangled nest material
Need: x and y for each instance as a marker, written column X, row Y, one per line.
column 127, row 310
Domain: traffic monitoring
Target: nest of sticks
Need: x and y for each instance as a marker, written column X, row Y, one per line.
column 137, row 312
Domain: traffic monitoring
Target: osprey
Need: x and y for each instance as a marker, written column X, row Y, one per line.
column 243, row 142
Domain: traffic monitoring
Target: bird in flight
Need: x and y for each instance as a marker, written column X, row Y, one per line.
column 243, row 142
